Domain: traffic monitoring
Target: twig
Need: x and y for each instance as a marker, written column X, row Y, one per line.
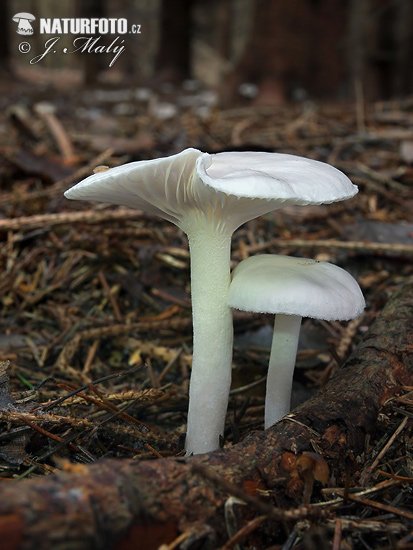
column 381, row 178
column 329, row 243
column 246, row 530
column 367, row 472
column 86, row 386
column 117, row 330
column 382, row 486
column 47, row 112
column 87, row 216
column 337, row 535
column 368, row 526
column 109, row 407
column 110, row 296
column 348, row 337
column 170, row 364
column 152, row 450
column 378, row 505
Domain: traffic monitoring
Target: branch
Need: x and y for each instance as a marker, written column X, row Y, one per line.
column 124, row 504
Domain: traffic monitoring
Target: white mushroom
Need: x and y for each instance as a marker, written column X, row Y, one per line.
column 291, row 288
column 23, row 20
column 208, row 197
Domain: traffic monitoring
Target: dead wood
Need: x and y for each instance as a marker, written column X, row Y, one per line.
column 129, row 504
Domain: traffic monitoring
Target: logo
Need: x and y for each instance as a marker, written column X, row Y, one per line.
column 23, row 23
column 81, row 28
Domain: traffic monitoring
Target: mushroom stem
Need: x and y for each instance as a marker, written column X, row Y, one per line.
column 213, row 335
column 281, row 367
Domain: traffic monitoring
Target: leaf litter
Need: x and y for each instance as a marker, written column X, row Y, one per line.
column 96, row 333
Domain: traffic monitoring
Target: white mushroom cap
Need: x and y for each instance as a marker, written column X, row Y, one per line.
column 295, row 286
column 155, row 186
column 226, row 188
column 269, row 176
column 23, row 15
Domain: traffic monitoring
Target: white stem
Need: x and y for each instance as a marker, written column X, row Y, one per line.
column 281, row 367
column 213, row 335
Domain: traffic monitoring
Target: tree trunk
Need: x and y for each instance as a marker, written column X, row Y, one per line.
column 173, row 57
column 5, row 37
column 404, row 48
column 129, row 504
column 93, row 64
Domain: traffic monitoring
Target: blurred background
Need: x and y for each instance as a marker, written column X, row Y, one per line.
column 262, row 51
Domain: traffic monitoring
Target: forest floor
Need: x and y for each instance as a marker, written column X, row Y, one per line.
column 95, row 300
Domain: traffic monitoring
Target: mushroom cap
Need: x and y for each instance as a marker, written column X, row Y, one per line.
column 23, row 15
column 295, row 286
column 160, row 186
column 270, row 176
column 316, row 464
column 227, row 188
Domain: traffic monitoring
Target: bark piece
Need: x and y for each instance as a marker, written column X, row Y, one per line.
column 128, row 504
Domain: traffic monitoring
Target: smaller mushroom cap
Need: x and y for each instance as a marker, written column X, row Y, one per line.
column 316, row 464
column 295, row 286
column 23, row 15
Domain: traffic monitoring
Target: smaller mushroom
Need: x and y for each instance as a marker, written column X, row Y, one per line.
column 291, row 288
column 314, row 468
column 23, row 20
